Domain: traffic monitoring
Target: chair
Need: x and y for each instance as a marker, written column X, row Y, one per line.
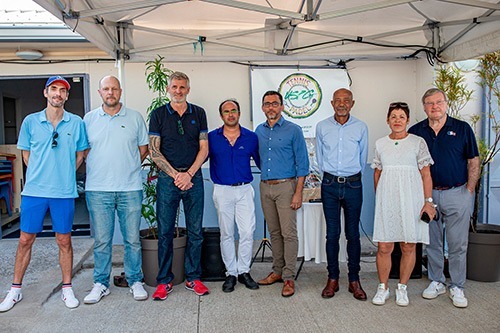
column 5, row 193
column 6, row 180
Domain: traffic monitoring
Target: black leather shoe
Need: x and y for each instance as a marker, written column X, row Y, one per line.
column 229, row 284
column 247, row 280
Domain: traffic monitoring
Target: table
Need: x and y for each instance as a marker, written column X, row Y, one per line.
column 311, row 231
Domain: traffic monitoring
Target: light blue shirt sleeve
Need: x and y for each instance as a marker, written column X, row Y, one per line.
column 319, row 146
column 83, row 142
column 24, row 139
column 301, row 156
column 363, row 156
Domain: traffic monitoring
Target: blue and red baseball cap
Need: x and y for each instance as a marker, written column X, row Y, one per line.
column 60, row 79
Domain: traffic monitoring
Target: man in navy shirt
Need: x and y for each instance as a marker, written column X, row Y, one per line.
column 455, row 174
column 284, row 166
column 178, row 145
column 230, row 149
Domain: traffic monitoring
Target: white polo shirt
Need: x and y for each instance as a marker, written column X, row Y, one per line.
column 114, row 161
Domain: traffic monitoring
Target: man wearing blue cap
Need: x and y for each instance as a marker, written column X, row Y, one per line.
column 52, row 142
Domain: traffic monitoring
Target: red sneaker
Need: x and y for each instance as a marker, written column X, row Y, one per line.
column 198, row 287
column 162, row 291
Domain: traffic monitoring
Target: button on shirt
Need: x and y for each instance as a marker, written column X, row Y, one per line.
column 450, row 150
column 342, row 150
column 114, row 160
column 179, row 149
column 231, row 164
column 283, row 151
column 51, row 171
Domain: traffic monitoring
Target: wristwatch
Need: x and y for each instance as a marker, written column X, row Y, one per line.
column 429, row 200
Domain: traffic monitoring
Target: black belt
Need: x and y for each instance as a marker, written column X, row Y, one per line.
column 181, row 169
column 340, row 179
column 239, row 184
column 444, row 188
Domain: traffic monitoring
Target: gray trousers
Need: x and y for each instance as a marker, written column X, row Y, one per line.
column 454, row 206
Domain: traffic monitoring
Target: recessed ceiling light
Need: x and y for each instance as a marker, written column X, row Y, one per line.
column 29, row 54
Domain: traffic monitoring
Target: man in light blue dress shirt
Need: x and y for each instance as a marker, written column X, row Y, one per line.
column 284, row 165
column 342, row 151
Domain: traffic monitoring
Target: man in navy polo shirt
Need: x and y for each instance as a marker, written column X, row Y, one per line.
column 230, row 149
column 178, row 145
column 455, row 174
column 52, row 143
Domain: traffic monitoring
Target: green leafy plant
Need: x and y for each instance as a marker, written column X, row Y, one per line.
column 452, row 81
column 157, row 76
column 489, row 145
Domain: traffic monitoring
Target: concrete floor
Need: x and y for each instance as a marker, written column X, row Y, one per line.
column 243, row 310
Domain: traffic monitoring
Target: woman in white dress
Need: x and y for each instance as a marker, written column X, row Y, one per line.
column 403, row 188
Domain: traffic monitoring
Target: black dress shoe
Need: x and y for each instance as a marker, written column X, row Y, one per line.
column 247, row 280
column 229, row 284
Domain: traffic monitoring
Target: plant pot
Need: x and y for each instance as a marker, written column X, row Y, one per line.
column 483, row 253
column 150, row 258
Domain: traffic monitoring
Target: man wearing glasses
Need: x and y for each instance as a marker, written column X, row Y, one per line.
column 118, row 140
column 52, row 142
column 342, row 151
column 230, row 149
column 178, row 145
column 284, row 166
column 455, row 173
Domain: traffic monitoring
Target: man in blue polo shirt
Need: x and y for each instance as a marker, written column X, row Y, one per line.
column 284, row 165
column 455, row 173
column 342, row 150
column 52, row 142
column 178, row 145
column 230, row 149
column 118, row 141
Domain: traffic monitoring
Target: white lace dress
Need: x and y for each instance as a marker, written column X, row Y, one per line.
column 400, row 193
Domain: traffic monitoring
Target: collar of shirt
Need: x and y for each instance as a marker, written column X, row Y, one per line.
column 172, row 111
column 279, row 122
column 122, row 112
column 43, row 116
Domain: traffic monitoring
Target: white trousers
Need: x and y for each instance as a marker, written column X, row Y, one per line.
column 235, row 205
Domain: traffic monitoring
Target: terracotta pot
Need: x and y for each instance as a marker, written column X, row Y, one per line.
column 483, row 254
column 150, row 259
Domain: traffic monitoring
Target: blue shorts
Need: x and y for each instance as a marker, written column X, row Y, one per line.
column 34, row 209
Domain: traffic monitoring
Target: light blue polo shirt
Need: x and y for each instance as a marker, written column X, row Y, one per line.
column 51, row 170
column 114, row 161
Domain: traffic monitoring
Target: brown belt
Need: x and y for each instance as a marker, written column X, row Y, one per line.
column 277, row 181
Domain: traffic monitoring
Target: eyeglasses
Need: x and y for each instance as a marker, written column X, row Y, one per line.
column 180, row 129
column 55, row 135
column 274, row 104
column 439, row 103
column 398, row 105
column 233, row 111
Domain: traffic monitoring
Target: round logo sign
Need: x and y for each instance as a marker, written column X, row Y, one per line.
column 301, row 95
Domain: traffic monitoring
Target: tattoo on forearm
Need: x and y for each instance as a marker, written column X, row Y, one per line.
column 158, row 158
column 203, row 136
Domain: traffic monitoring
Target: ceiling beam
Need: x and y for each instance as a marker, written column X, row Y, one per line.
column 475, row 3
column 122, row 7
column 363, row 8
column 257, row 8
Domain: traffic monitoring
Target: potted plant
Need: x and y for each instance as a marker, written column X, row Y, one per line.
column 157, row 80
column 483, row 254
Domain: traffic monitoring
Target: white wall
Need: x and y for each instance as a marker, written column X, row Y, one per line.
column 374, row 84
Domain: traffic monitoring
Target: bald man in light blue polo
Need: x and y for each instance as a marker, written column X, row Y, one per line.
column 118, row 141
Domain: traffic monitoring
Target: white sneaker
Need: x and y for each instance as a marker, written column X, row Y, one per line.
column 69, row 298
column 381, row 296
column 13, row 297
column 402, row 295
column 138, row 290
column 434, row 290
column 458, row 297
column 98, row 291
